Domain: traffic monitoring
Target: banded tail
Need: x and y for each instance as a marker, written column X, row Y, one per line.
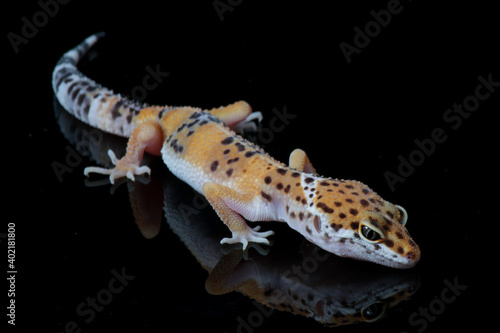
column 89, row 101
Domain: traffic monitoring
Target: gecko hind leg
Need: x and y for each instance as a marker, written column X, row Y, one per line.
column 300, row 161
column 238, row 116
column 147, row 136
column 121, row 169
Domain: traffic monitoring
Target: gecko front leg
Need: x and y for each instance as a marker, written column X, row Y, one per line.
column 224, row 200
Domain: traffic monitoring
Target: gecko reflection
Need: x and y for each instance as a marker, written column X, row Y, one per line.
column 300, row 279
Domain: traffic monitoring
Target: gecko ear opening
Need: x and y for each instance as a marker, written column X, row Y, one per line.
column 403, row 215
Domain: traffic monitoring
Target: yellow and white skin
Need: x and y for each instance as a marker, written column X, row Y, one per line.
column 241, row 181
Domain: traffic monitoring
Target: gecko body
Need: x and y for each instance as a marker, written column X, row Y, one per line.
column 237, row 177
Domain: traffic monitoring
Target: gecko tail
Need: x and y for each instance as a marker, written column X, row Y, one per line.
column 89, row 101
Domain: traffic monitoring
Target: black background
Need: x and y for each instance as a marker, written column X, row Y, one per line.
column 354, row 120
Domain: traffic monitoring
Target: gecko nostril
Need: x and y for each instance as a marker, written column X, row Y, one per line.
column 410, row 255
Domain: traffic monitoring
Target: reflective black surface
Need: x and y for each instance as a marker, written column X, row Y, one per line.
column 145, row 257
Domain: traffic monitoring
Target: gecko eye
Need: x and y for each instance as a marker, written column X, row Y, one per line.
column 403, row 215
column 370, row 228
column 374, row 311
column 369, row 234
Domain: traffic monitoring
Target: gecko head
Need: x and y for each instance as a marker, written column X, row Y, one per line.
column 359, row 224
column 384, row 239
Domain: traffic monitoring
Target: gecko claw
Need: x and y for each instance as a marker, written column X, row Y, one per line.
column 249, row 125
column 123, row 168
column 251, row 235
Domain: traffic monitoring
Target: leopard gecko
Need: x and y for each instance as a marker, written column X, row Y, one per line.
column 239, row 180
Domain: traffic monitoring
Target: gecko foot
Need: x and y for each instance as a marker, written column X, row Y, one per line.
column 252, row 235
column 248, row 125
column 123, row 168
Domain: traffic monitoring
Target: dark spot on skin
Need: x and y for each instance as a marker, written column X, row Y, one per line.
column 232, row 160
column 195, row 115
column 353, row 211
column 227, row 140
column 292, row 214
column 372, row 200
column 355, row 225
column 297, row 198
column 325, row 207
column 349, row 187
column 389, row 243
column 309, row 180
column 309, row 231
column 340, row 191
column 338, row 204
column 229, row 172
column 182, row 127
column 227, row 151
column 363, row 202
column 191, row 124
column 365, row 191
column 190, row 133
column 114, row 110
column 281, row 171
column 391, row 215
column 342, row 216
column 349, row 200
column 354, row 193
column 301, row 216
column 86, row 109
column 240, row 146
column 304, row 201
column 324, row 183
column 204, row 122
column 374, row 222
column 400, row 235
column 401, row 250
column 279, row 186
column 80, row 98
column 376, row 247
column 287, row 188
column 268, row 180
column 266, row 196
column 336, row 226
column 214, row 165
column 178, row 149
column 250, row 153
column 295, row 174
